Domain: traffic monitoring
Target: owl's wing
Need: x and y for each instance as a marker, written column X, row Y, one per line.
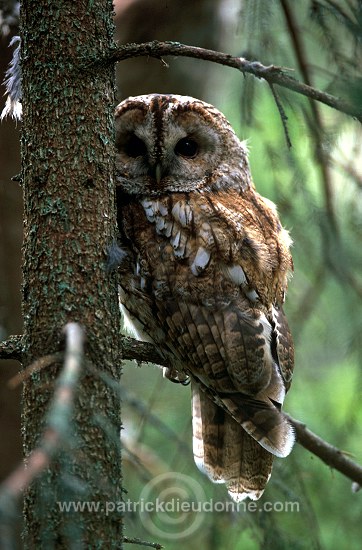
column 229, row 356
column 284, row 348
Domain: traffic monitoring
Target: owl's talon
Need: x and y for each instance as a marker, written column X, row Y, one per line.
column 185, row 382
column 175, row 376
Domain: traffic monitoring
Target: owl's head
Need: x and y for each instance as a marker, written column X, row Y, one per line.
column 172, row 143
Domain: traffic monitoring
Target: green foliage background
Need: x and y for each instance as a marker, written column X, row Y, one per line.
column 324, row 299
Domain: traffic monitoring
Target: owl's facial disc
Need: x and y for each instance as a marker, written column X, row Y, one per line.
column 186, row 148
column 167, row 144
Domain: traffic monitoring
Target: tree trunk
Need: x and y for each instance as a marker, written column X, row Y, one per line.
column 67, row 173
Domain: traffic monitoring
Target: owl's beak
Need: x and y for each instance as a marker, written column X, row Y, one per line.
column 158, row 173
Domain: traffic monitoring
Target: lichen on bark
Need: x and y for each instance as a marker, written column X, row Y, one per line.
column 69, row 220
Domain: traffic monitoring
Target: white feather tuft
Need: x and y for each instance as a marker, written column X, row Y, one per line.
column 12, row 83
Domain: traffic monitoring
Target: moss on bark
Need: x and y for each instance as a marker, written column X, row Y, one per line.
column 67, row 173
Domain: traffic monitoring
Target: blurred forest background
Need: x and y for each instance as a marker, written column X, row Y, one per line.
column 317, row 185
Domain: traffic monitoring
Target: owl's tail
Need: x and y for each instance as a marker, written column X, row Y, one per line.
column 226, row 452
column 263, row 420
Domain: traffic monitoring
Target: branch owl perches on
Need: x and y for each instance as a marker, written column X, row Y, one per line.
column 203, row 276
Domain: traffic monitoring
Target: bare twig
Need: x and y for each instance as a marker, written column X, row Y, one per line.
column 271, row 74
column 142, row 352
column 335, row 458
column 12, row 348
column 38, row 365
column 57, row 423
column 316, row 125
column 282, row 114
column 132, row 540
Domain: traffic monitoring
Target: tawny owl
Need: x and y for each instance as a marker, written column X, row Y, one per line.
column 203, row 276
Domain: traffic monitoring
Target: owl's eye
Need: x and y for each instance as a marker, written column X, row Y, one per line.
column 135, row 147
column 187, row 147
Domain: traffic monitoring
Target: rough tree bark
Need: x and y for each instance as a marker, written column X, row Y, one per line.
column 67, row 174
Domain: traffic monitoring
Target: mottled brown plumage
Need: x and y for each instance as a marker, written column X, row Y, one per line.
column 204, row 278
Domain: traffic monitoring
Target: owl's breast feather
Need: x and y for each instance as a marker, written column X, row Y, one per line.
column 206, row 247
